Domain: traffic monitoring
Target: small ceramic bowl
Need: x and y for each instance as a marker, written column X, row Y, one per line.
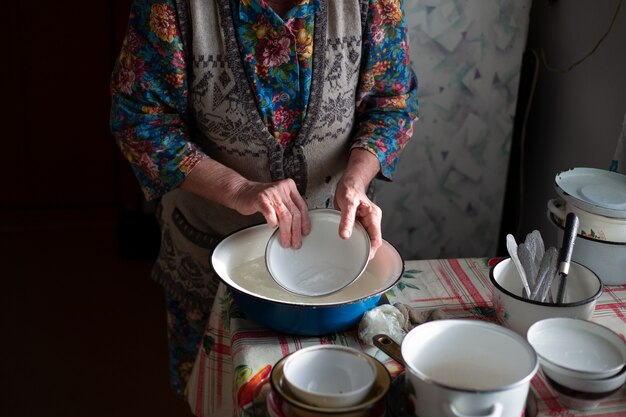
column 607, row 259
column 593, row 226
column 292, row 406
column 577, row 349
column 591, row 386
column 582, row 290
column 330, row 375
column 325, row 263
column 576, row 399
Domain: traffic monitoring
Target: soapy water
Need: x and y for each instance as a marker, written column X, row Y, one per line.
column 318, row 280
column 256, row 279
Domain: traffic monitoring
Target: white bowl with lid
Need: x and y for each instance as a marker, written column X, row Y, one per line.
column 578, row 349
column 325, row 263
column 594, row 190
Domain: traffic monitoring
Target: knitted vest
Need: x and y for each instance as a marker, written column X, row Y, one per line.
column 227, row 125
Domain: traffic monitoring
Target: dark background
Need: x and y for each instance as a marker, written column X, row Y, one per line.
column 82, row 325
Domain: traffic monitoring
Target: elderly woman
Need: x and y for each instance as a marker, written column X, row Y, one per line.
column 235, row 112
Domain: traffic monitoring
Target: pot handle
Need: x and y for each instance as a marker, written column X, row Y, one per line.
column 556, row 206
column 495, row 411
column 389, row 346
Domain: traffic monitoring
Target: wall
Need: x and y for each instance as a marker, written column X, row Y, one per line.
column 576, row 117
column 448, row 195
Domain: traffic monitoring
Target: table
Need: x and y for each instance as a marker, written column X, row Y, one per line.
column 236, row 352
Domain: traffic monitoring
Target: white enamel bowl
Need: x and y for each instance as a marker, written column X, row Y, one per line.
column 325, row 263
column 582, row 290
column 330, row 375
column 578, row 349
column 589, row 386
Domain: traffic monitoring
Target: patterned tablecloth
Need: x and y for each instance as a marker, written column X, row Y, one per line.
column 237, row 353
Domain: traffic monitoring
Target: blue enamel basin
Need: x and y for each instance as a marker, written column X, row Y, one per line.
column 239, row 261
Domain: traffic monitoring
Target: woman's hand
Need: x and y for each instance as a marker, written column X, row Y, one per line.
column 281, row 205
column 279, row 202
column 354, row 204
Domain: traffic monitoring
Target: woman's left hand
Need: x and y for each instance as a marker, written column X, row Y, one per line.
column 351, row 199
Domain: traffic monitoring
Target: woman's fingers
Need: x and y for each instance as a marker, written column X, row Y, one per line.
column 305, row 220
column 288, row 226
column 348, row 216
column 283, row 207
column 355, row 205
column 370, row 216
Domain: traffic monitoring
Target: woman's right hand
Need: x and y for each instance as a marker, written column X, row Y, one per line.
column 282, row 206
column 279, row 202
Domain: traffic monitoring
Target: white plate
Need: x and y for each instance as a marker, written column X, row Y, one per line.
column 577, row 348
column 594, row 190
column 325, row 263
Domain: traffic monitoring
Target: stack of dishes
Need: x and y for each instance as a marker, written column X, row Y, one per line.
column 328, row 380
column 598, row 198
column 582, row 361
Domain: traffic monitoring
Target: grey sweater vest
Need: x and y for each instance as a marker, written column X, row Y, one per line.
column 227, row 125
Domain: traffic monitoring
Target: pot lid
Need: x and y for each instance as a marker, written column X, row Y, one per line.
column 594, row 190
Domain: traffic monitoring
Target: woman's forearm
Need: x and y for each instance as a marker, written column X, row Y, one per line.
column 215, row 182
column 363, row 166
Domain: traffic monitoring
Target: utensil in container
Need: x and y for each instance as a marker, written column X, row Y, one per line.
column 519, row 313
column 511, row 246
column 547, row 269
column 527, row 259
column 565, row 254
